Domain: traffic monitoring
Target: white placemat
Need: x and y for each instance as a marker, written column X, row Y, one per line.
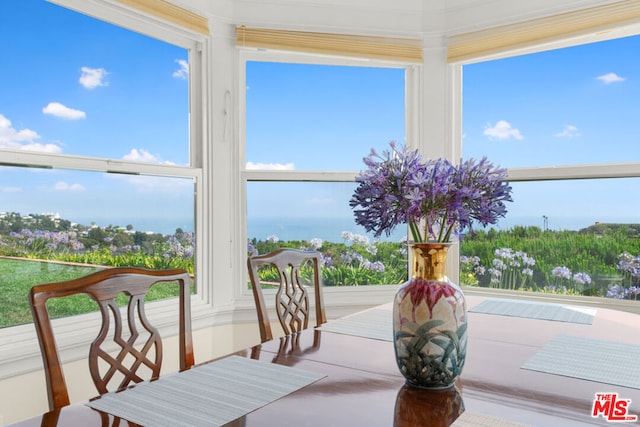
column 375, row 323
column 536, row 310
column 208, row 395
column 470, row 419
column 602, row 361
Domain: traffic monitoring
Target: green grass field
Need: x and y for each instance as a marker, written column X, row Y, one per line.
column 18, row 276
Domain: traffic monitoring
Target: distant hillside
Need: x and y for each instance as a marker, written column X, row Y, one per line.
column 603, row 227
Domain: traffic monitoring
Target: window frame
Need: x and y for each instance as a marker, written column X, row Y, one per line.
column 19, row 349
column 550, row 173
column 352, row 297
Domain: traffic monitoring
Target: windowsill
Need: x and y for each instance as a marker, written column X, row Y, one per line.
column 599, row 302
column 20, row 352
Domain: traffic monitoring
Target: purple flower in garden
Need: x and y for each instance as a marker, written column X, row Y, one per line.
column 434, row 197
column 316, row 243
column 616, row 292
column 76, row 245
column 630, row 268
column 347, row 235
column 561, row 272
column 582, row 278
column 374, row 266
column 251, row 249
column 326, row 261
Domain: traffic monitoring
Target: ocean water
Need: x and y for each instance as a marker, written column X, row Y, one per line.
column 166, row 226
column 331, row 229
column 327, row 229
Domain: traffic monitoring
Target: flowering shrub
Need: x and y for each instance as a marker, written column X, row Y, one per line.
column 564, row 281
column 629, row 266
column 108, row 247
column 354, row 262
column 511, row 269
column 470, row 270
column 45, row 242
column 437, row 199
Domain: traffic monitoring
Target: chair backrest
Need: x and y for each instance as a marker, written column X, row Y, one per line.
column 136, row 348
column 291, row 298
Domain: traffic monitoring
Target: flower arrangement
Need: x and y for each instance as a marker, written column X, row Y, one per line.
column 437, row 199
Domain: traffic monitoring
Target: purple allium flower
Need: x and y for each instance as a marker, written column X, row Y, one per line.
column 347, row 235
column 435, row 198
column 582, row 278
column 373, row 266
column 561, row 272
column 316, row 243
column 617, row 292
column 251, row 249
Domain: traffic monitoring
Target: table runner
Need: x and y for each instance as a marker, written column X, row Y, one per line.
column 602, row 361
column 208, row 395
column 375, row 323
column 536, row 310
column 470, row 419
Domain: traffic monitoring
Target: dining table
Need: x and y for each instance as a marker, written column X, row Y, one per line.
column 528, row 363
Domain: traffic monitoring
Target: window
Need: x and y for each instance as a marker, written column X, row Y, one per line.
column 562, row 122
column 100, row 145
column 119, row 99
column 308, row 126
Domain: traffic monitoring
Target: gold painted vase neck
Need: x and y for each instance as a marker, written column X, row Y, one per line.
column 429, row 260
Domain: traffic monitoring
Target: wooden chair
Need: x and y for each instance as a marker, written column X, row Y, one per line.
column 291, row 298
column 142, row 348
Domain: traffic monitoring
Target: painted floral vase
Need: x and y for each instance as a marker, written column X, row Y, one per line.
column 430, row 321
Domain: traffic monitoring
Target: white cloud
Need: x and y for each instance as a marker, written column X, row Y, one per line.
column 10, row 189
column 270, row 166
column 24, row 139
column 42, row 148
column 154, row 184
column 63, row 186
column 58, row 110
column 183, row 71
column 569, row 131
column 610, row 78
column 502, row 130
column 141, row 155
column 91, row 78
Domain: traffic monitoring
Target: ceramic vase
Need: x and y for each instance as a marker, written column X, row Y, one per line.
column 430, row 321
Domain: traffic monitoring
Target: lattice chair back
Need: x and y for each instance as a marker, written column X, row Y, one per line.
column 123, row 352
column 291, row 297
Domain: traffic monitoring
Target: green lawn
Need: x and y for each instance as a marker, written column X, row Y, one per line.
column 18, row 276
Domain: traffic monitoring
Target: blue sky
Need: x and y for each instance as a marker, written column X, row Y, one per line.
column 75, row 85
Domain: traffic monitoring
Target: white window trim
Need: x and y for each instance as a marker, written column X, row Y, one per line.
column 338, row 300
column 547, row 173
column 19, row 349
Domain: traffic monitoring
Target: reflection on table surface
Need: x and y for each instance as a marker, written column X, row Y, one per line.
column 363, row 386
